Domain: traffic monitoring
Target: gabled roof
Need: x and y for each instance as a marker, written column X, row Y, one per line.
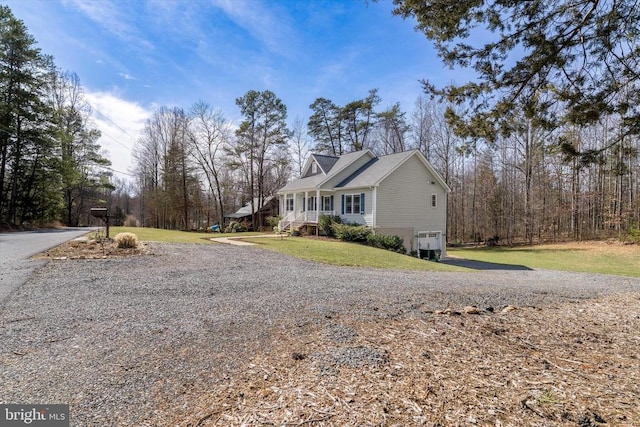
column 246, row 209
column 375, row 170
column 370, row 174
column 325, row 162
column 315, row 181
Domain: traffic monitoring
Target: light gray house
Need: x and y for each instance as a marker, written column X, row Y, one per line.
column 398, row 194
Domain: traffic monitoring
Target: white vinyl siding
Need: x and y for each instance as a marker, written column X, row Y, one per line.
column 404, row 199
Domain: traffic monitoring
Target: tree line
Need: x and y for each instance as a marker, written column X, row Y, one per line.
column 195, row 166
column 51, row 166
column 523, row 167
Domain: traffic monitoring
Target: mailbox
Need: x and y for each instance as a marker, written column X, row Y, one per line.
column 101, row 213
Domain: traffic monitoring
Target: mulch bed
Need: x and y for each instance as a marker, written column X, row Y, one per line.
column 567, row 365
column 92, row 249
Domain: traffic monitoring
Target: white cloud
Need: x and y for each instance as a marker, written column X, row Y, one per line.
column 114, row 17
column 121, row 123
column 269, row 25
column 127, row 76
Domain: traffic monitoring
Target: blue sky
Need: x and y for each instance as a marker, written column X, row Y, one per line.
column 133, row 56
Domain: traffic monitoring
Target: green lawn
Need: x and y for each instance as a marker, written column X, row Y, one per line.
column 158, row 235
column 592, row 257
column 348, row 254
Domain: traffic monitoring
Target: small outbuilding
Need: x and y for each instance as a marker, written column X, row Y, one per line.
column 245, row 213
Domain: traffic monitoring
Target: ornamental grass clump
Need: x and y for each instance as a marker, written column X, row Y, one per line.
column 126, row 240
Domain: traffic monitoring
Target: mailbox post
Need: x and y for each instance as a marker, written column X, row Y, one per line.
column 101, row 213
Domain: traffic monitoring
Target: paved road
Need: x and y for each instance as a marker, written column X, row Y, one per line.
column 16, row 248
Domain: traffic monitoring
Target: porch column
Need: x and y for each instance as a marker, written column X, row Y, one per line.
column 318, row 204
column 305, row 203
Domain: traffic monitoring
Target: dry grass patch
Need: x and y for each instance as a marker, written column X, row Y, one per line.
column 573, row 364
column 126, row 240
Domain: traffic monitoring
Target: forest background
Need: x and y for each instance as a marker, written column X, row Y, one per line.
column 542, row 180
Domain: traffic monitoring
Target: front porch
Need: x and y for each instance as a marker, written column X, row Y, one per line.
column 304, row 208
column 301, row 218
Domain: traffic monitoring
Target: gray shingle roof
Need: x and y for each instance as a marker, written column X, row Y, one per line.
column 312, row 182
column 325, row 162
column 373, row 171
column 368, row 175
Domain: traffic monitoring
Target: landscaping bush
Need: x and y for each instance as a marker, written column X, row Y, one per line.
column 392, row 243
column 351, row 233
column 235, row 227
column 325, row 222
column 634, row 234
column 126, row 240
column 272, row 221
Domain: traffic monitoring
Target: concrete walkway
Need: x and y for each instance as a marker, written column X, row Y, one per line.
column 237, row 241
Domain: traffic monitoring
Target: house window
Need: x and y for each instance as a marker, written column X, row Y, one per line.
column 326, row 203
column 434, row 200
column 352, row 204
column 289, row 204
column 311, row 203
column 314, row 168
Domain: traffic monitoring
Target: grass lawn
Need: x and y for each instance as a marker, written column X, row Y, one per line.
column 348, row 254
column 175, row 236
column 592, row 257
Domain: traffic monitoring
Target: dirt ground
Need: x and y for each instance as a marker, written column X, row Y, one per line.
column 570, row 364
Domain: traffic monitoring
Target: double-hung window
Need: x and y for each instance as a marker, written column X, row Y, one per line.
column 311, row 203
column 289, row 204
column 326, row 203
column 352, row 204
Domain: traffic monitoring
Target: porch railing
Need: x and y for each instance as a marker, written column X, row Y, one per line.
column 289, row 220
column 312, row 216
column 297, row 218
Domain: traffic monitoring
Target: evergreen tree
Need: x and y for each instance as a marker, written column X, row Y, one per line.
column 261, row 133
column 27, row 171
column 566, row 61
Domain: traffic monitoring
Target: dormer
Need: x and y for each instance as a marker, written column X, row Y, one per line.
column 318, row 164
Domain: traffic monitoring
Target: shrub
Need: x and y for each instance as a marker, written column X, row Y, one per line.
column 326, row 222
column 272, row 221
column 351, row 233
column 131, row 221
column 634, row 234
column 126, row 240
column 392, row 243
column 235, row 227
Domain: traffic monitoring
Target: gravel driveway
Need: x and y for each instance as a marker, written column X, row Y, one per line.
column 118, row 339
